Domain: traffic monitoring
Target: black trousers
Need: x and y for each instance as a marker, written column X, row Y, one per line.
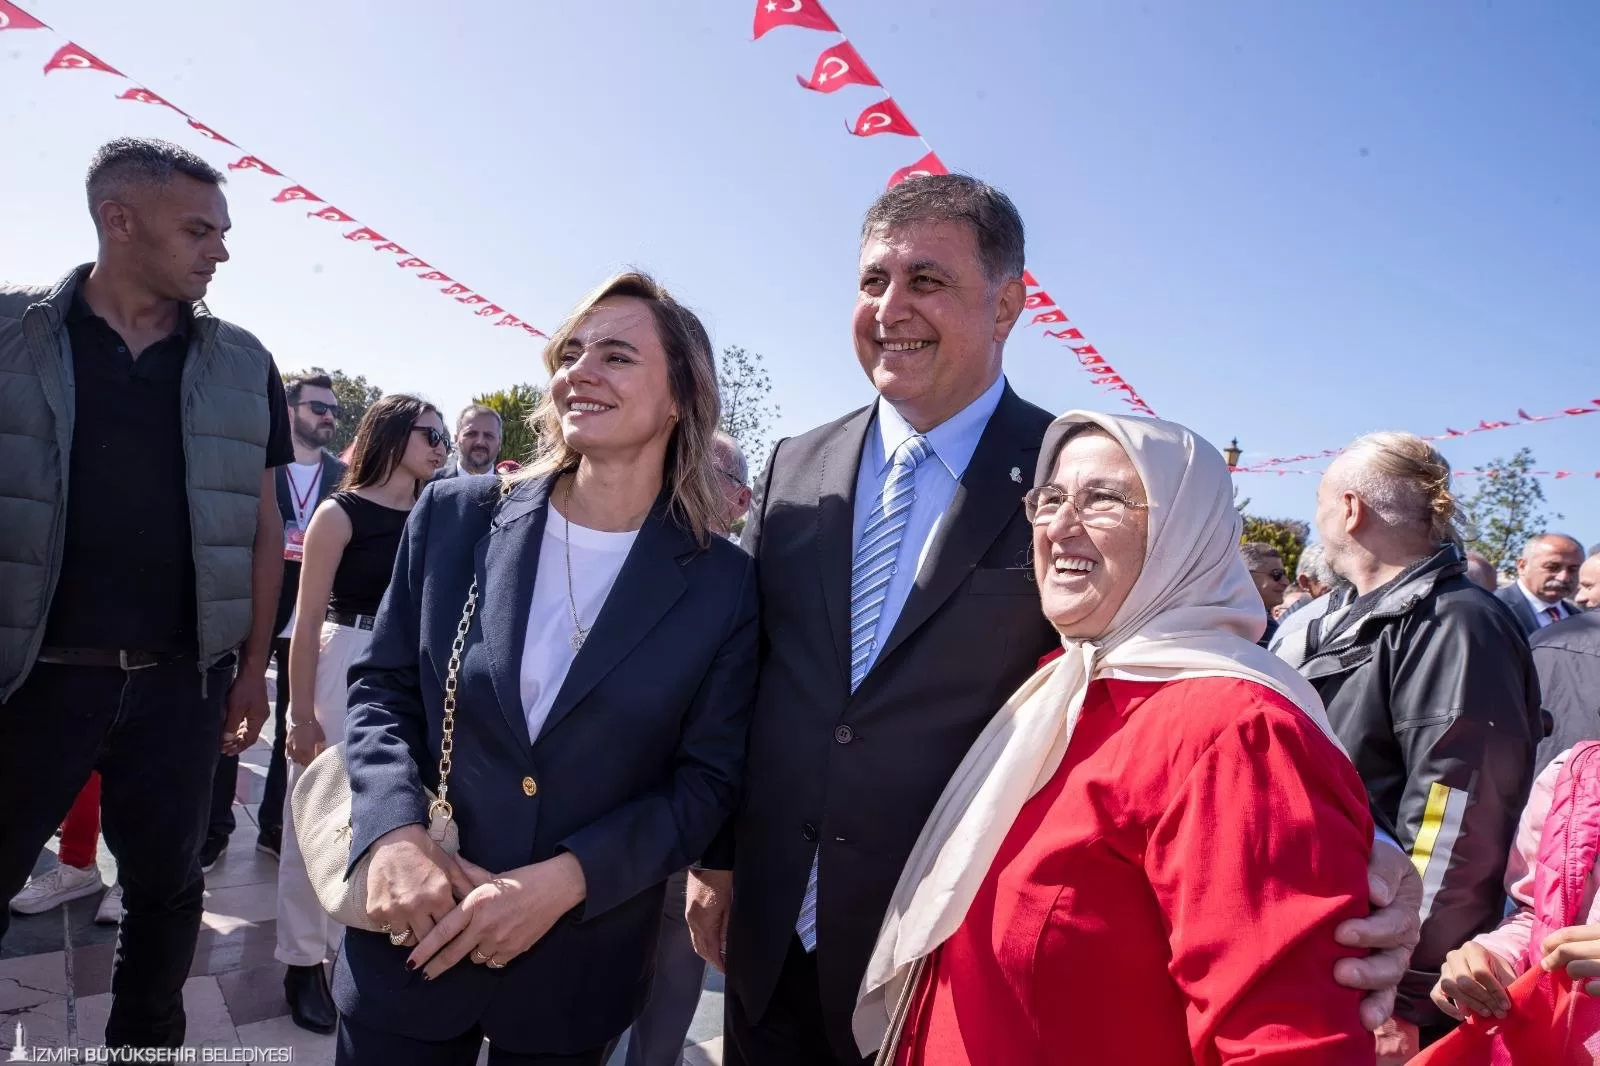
column 659, row 1031
column 361, row 1045
column 154, row 734
column 792, row 1031
column 269, row 817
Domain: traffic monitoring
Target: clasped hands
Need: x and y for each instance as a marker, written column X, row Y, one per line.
column 1475, row 979
column 454, row 908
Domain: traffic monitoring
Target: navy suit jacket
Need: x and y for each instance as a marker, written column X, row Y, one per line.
column 1513, row 598
column 635, row 769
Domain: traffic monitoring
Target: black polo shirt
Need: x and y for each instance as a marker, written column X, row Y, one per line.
column 127, row 568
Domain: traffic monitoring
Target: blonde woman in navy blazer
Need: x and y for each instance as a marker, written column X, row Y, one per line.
column 599, row 735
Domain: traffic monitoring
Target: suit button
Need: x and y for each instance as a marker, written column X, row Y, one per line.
column 530, row 787
column 809, row 831
column 844, row 734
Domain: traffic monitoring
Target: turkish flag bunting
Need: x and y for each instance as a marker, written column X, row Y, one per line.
column 1059, row 334
column 434, row 275
column 1049, row 316
column 1493, row 425
column 1563, row 473
column 1087, row 349
column 410, row 264
column 330, row 214
column 1526, row 417
column 1110, row 379
column 1579, row 411
column 529, row 329
column 1091, row 360
column 454, row 289
column 209, row 132
column 922, row 168
column 1073, row 334
column 472, row 299
column 489, row 312
column 807, row 14
column 250, row 162
column 70, row 57
column 1028, row 278
column 296, row 192
column 365, row 234
column 1037, row 300
column 837, row 67
column 883, row 118
column 145, row 96
column 509, row 320
column 13, row 17
column 390, row 246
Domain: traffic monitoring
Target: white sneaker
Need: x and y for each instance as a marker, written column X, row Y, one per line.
column 110, row 912
column 57, row 886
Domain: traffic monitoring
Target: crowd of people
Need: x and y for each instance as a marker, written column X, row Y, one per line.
column 986, row 741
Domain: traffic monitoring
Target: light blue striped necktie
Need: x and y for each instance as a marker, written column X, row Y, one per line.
column 877, row 561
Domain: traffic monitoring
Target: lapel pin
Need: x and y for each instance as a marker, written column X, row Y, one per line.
column 1016, row 474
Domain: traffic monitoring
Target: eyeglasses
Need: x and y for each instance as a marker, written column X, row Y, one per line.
column 1097, row 508
column 319, row 408
column 1280, row 574
column 735, row 478
column 435, row 437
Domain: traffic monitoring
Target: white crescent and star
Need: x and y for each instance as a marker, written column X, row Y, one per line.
column 829, row 75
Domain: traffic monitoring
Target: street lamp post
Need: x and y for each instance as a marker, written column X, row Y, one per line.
column 1232, row 453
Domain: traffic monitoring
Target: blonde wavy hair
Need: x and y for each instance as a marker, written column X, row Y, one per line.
column 696, row 501
column 1406, row 481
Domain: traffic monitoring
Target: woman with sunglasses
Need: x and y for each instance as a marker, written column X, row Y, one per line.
column 350, row 545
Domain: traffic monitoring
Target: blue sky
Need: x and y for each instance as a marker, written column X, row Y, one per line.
column 1289, row 223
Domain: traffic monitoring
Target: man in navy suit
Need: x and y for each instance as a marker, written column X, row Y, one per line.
column 1547, row 576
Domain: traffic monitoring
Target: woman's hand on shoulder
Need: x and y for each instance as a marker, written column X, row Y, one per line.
column 1473, row 978
column 412, row 883
column 503, row 916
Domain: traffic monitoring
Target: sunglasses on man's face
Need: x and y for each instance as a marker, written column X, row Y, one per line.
column 319, row 408
column 1279, row 574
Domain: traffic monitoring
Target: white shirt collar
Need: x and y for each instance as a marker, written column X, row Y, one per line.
column 1538, row 605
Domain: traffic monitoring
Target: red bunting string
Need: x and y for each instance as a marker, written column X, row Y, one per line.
column 841, row 65
column 1558, row 475
column 70, row 56
column 1523, row 419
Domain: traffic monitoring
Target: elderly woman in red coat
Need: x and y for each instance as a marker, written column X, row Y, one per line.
column 1143, row 858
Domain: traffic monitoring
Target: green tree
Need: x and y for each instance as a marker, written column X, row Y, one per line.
column 1506, row 510
column 355, row 395
column 747, row 410
column 1288, row 535
column 515, row 407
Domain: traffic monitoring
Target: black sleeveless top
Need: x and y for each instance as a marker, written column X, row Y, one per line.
column 368, row 561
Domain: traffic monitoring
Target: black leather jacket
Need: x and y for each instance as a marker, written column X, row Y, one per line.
column 1430, row 685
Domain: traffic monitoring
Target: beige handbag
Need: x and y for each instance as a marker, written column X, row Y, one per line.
column 321, row 807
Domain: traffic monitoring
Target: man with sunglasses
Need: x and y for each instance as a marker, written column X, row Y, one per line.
column 302, row 486
column 1272, row 580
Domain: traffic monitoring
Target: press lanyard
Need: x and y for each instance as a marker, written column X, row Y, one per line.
column 300, row 501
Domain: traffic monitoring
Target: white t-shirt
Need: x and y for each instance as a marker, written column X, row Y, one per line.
column 547, row 654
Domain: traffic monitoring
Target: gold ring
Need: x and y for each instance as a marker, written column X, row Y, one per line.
column 385, row 928
column 399, row 937
column 495, row 964
column 482, row 959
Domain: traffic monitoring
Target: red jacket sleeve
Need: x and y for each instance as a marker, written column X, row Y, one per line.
column 1261, row 852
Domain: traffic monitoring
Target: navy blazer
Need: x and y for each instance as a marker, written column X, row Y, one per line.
column 636, row 767
column 1513, row 598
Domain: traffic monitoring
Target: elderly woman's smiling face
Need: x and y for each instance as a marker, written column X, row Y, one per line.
column 1090, row 522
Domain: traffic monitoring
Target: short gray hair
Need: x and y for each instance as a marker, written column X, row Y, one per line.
column 724, row 443
column 128, row 161
column 1256, row 552
column 996, row 225
column 472, row 410
column 1577, row 545
column 1313, row 566
column 1404, row 480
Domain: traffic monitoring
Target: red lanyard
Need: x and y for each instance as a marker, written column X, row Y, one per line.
column 299, row 500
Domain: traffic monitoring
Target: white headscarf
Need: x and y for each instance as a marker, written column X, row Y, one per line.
column 1192, row 612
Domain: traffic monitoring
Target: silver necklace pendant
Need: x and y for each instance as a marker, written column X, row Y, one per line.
column 579, row 635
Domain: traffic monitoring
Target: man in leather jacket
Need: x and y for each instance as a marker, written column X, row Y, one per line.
column 1429, row 684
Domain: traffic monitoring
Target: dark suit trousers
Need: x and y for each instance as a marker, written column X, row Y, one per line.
column 361, row 1045
column 792, row 1031
column 154, row 738
column 658, row 1034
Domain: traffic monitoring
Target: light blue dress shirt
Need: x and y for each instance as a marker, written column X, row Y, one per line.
column 953, row 442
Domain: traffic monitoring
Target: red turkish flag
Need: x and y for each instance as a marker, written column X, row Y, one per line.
column 1059, row 334
column 296, row 192
column 434, row 275
column 145, row 96
column 489, row 312
column 927, row 166
column 1579, row 411
column 1028, row 278
column 1037, row 300
column 1110, row 379
column 529, row 329
column 1493, row 425
column 807, row 14
column 454, row 289
column 1563, row 473
column 70, row 57
column 209, row 132
column 1073, row 334
column 1087, row 349
column 837, row 67
column 410, row 264
column 13, row 17
column 883, row 118
column 1526, row 417
column 390, row 246
column 472, row 299
column 330, row 214
column 1091, row 360
column 1049, row 316
column 365, row 234
column 250, row 162
column 509, row 320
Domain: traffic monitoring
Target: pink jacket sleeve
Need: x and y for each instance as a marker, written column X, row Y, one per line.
column 1510, row 940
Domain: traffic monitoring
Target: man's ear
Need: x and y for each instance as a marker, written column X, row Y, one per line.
column 1008, row 308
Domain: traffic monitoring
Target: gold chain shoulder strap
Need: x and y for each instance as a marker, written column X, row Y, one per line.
column 441, row 806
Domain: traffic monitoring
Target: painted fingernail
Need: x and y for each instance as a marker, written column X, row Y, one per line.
column 411, row 964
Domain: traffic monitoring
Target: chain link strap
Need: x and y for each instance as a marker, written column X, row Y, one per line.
column 441, row 806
